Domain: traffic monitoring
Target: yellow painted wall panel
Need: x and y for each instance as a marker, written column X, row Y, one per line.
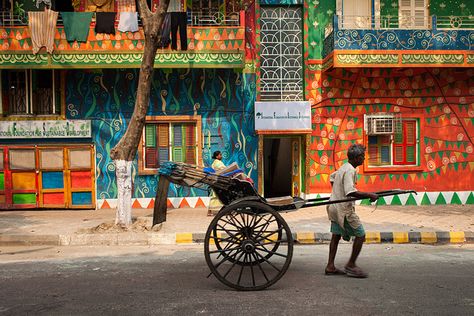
column 23, row 181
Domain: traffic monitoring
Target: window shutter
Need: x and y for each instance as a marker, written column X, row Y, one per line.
column 163, row 154
column 385, row 155
column 150, row 135
column 398, row 155
column 190, row 135
column 373, row 154
column 410, row 141
column 151, row 160
column 178, row 154
column 178, row 135
column 163, row 135
column 410, row 154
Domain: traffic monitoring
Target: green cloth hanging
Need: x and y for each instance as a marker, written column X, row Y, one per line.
column 77, row 25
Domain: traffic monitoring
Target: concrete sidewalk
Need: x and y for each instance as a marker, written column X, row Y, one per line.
column 398, row 224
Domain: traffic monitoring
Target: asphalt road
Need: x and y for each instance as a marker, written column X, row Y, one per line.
column 404, row 280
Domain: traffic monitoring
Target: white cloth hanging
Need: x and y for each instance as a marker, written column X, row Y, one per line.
column 128, row 22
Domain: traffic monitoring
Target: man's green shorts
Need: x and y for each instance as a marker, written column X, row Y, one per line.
column 348, row 231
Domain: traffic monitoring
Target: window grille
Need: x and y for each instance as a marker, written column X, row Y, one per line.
column 281, row 70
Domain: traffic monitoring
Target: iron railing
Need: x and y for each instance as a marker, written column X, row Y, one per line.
column 197, row 18
column 349, row 22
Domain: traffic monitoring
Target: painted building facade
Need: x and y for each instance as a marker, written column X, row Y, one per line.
column 395, row 75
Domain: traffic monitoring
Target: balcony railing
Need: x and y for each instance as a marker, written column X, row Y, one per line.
column 352, row 22
column 364, row 41
column 198, row 18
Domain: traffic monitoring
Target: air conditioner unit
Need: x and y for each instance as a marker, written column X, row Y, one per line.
column 381, row 124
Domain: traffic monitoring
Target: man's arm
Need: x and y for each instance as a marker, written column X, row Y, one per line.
column 364, row 195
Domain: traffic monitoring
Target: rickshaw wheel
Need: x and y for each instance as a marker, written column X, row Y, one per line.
column 243, row 246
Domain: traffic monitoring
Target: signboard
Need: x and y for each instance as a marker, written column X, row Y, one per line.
column 283, row 116
column 45, row 129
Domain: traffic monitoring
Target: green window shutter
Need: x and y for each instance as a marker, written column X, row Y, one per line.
column 150, row 135
column 398, row 139
column 178, row 154
column 410, row 154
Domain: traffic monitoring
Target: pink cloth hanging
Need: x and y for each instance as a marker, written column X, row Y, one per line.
column 42, row 29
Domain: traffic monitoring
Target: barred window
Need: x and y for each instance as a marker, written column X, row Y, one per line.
column 30, row 92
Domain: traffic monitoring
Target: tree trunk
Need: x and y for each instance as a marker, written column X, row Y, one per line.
column 125, row 151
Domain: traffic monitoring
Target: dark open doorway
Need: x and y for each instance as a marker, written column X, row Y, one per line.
column 277, row 167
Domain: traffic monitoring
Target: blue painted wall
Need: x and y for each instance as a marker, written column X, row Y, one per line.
column 223, row 97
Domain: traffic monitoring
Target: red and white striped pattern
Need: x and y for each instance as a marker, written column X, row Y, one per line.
column 42, row 28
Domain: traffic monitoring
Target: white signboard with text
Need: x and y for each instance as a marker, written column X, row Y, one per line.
column 283, row 116
column 45, row 129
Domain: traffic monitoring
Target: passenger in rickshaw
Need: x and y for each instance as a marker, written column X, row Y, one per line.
column 344, row 221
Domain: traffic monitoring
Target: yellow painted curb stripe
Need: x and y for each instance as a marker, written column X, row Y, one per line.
column 428, row 238
column 184, row 238
column 400, row 237
column 212, row 241
column 372, row 237
column 305, row 238
column 456, row 237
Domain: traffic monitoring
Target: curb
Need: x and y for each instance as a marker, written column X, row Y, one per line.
column 157, row 238
column 442, row 237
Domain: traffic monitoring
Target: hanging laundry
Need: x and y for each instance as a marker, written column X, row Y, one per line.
column 46, row 2
column 76, row 25
column 128, row 22
column 105, row 22
column 63, row 6
column 126, row 6
column 42, row 29
column 100, row 6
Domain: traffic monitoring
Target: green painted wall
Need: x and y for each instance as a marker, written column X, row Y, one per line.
column 320, row 13
column 451, row 7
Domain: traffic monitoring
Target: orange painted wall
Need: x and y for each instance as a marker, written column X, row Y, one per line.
column 441, row 98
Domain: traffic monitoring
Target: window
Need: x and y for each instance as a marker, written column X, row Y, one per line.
column 397, row 148
column 413, row 14
column 170, row 141
column 30, row 92
column 281, row 54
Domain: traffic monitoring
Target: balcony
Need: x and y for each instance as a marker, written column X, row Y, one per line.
column 214, row 41
column 385, row 41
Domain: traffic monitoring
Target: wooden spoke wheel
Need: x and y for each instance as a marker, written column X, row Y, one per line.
column 243, row 246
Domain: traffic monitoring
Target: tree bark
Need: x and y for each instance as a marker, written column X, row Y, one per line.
column 126, row 148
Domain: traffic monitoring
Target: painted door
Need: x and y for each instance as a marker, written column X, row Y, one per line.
column 295, row 166
column 356, row 14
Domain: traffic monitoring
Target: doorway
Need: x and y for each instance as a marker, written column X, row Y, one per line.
column 281, row 165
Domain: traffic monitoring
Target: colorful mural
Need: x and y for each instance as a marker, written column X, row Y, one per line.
column 224, row 99
column 318, row 17
column 404, row 39
column 441, row 99
column 199, row 38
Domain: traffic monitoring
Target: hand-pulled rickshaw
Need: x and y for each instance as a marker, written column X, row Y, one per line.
column 248, row 245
